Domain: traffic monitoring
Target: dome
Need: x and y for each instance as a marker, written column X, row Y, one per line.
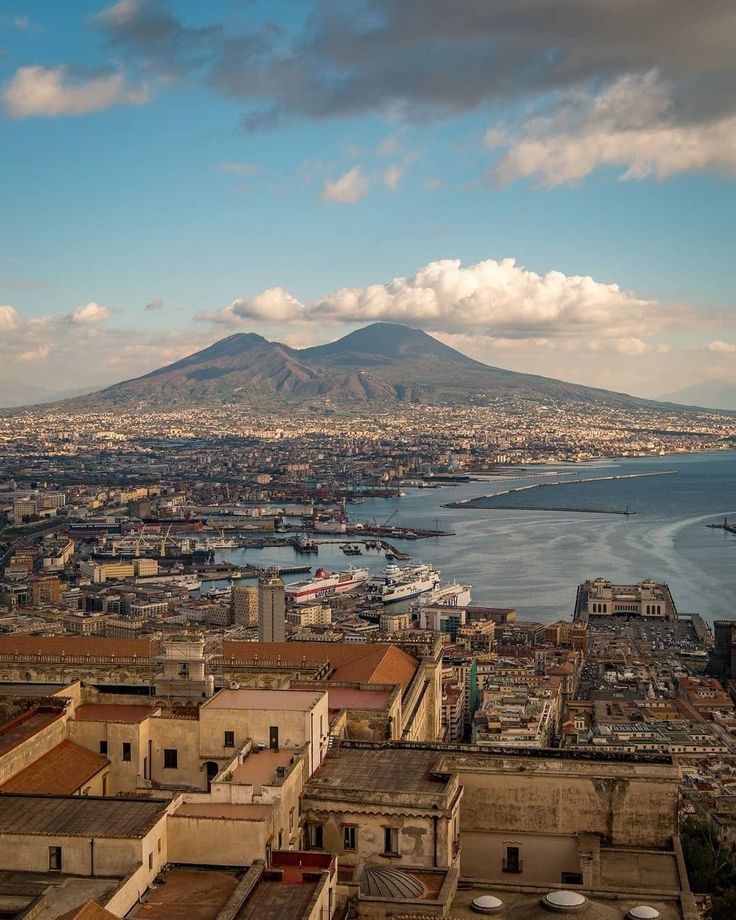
column 643, row 912
column 487, row 904
column 386, row 882
column 565, row 901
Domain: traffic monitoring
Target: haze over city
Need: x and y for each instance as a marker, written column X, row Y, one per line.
column 560, row 202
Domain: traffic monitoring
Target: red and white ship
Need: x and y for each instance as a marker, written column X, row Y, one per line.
column 326, row 583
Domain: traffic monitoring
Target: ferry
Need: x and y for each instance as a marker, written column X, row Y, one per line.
column 397, row 584
column 326, row 583
column 452, row 595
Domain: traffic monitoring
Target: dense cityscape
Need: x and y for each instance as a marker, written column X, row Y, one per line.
column 367, row 460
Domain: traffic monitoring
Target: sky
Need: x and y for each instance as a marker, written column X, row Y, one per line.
column 546, row 185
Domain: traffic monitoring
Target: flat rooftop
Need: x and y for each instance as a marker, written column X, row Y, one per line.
column 373, row 769
column 355, row 698
column 219, row 810
column 189, row 894
column 528, row 905
column 78, row 816
column 112, row 712
column 284, row 700
column 29, row 688
column 276, row 898
column 259, row 768
column 61, row 893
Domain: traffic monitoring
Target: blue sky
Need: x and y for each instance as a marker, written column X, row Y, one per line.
column 239, row 165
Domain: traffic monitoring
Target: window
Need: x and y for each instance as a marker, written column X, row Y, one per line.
column 314, row 836
column 391, row 841
column 572, row 878
column 512, row 861
column 54, row 859
column 150, row 860
column 171, row 758
column 273, row 737
column 229, row 739
column 349, row 837
column 103, row 748
column 159, row 844
column 126, row 751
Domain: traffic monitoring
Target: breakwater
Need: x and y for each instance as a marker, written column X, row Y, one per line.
column 480, row 500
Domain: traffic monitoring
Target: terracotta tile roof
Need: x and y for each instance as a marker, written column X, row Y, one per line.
column 74, row 646
column 371, row 663
column 89, row 911
column 61, row 771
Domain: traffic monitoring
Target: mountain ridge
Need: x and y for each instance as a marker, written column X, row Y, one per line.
column 379, row 363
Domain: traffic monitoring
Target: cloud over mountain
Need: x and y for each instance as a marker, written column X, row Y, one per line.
column 494, row 298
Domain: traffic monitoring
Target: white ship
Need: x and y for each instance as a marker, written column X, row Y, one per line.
column 453, row 595
column 325, row 583
column 210, row 543
column 402, row 584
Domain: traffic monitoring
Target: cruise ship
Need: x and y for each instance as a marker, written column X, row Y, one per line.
column 402, row 584
column 325, row 583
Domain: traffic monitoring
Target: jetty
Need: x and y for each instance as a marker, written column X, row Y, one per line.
column 726, row 525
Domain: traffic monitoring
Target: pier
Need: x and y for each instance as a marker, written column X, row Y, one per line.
column 726, row 525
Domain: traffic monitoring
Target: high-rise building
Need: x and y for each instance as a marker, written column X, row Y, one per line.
column 244, row 605
column 271, row 607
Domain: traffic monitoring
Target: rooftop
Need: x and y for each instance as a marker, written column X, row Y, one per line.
column 61, row 771
column 274, row 897
column 371, row 663
column 259, row 768
column 25, row 725
column 291, row 700
column 112, row 712
column 389, row 770
column 78, row 816
column 189, row 894
column 221, row 810
column 355, row 698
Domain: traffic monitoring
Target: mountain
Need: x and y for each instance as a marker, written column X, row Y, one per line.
column 383, row 362
column 711, row 394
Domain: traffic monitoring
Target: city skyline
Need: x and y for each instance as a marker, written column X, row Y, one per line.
column 178, row 173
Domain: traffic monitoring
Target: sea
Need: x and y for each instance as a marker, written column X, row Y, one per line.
column 533, row 559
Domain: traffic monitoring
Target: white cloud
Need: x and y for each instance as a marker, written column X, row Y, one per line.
column 347, row 189
column 51, row 91
column 9, row 317
column 433, row 185
column 392, row 175
column 89, row 314
column 274, row 305
column 721, row 348
column 498, row 297
column 494, row 298
column 120, row 13
column 156, row 304
column 632, row 125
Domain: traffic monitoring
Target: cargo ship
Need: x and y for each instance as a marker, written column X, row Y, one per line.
column 402, row 584
column 326, row 583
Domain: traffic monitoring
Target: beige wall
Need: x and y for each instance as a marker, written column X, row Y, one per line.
column 181, row 734
column 217, row 841
column 296, row 728
column 544, row 857
column 123, row 775
column 416, row 835
column 28, row 751
column 625, row 804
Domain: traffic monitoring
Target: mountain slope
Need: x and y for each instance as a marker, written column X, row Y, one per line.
column 380, row 363
column 710, row 393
